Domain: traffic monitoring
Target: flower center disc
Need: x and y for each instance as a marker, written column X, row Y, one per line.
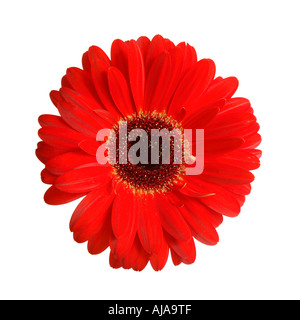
column 150, row 177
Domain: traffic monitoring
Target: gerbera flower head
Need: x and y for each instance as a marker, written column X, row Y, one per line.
column 145, row 211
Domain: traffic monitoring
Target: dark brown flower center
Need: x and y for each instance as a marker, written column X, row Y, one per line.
column 150, row 176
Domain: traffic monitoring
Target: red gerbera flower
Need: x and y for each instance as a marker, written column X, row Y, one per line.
column 143, row 212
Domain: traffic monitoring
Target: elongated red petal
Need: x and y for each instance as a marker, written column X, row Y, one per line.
column 99, row 70
column 171, row 219
column 91, row 214
column 159, row 260
column 53, row 196
column 125, row 235
column 157, row 81
column 119, row 57
column 119, row 91
column 222, row 145
column 68, row 161
column 61, row 137
column 155, row 48
column 45, row 152
column 106, row 119
column 221, row 200
column 47, row 177
column 198, row 219
column 252, row 141
column 143, row 43
column 55, row 97
column 175, row 258
column 82, row 83
column 223, row 89
column 136, row 74
column 100, row 240
column 46, row 120
column 226, row 174
column 237, row 105
column 136, row 258
column 97, row 53
column 232, row 124
column 83, row 179
column 186, row 250
column 240, row 189
column 176, row 62
column 90, row 146
column 189, row 56
column 238, row 158
column 79, row 119
column 123, row 213
column 200, row 118
column 193, row 84
column 114, row 261
column 149, row 225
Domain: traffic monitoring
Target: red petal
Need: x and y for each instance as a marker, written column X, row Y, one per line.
column 197, row 192
column 189, row 56
column 121, row 245
column 171, row 219
column 97, row 53
column 136, row 74
column 186, row 250
column 86, row 65
column 237, row 105
column 61, row 137
column 203, row 116
column 114, row 261
column 99, row 74
column 222, row 145
column 223, row 89
column 51, row 120
column 68, row 161
column 123, row 213
column 156, row 47
column 54, row 196
column 100, row 240
column 198, row 219
column 157, row 81
column 77, row 99
column 149, row 225
column 55, row 97
column 176, row 58
column 255, row 152
column 136, row 258
column 238, row 158
column 106, row 119
column 143, row 43
column 44, row 152
column 223, row 174
column 221, row 201
column 240, row 189
column 82, row 83
column 232, row 124
column 91, row 214
column 47, row 177
column 119, row 57
column 90, row 146
column 252, row 141
column 83, row 179
column 193, row 84
column 159, row 260
column 74, row 111
column 119, row 91
column 175, row 258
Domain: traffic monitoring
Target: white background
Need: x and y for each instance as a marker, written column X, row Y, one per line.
column 258, row 253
